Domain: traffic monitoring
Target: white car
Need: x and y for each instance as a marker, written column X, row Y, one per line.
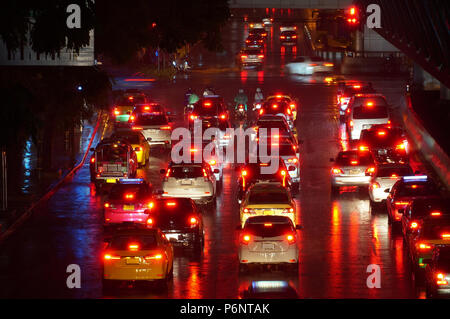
column 195, row 181
column 267, row 22
column 309, row 65
column 384, row 177
column 363, row 116
column 268, row 240
column 156, row 128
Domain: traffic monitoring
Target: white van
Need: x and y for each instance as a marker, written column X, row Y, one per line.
column 363, row 116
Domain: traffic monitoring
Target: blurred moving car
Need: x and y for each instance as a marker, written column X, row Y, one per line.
column 137, row 253
column 437, row 272
column 267, row 22
column 404, row 191
column 181, row 222
column 308, row 65
column 124, row 106
column 195, row 181
column 351, row 168
column 268, row 199
column 137, row 141
column 288, row 38
column 382, row 180
column 130, row 200
column 254, row 41
column 268, row 240
column 258, row 31
column 347, row 89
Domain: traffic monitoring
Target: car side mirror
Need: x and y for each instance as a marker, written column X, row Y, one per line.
column 216, row 171
column 162, row 171
column 299, row 227
column 332, row 160
column 291, row 168
column 387, row 190
column 92, row 149
column 149, row 139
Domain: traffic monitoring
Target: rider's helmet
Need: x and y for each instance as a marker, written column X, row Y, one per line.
column 241, row 91
column 258, row 90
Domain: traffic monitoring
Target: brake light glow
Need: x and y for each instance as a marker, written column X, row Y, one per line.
column 424, row 246
column 356, row 86
column 154, row 257
column 261, row 56
column 129, row 196
column 400, row 147
column 193, row 221
column 268, row 225
column 381, row 133
column 399, row 203
column 290, row 238
column 106, row 205
column 243, row 56
column 369, row 104
column 133, row 247
column 93, row 160
column 136, row 128
column 165, row 127
column 351, row 123
column 110, row 257
column 223, row 116
column 171, row 204
column 375, row 185
column 246, row 239
column 436, row 213
column 413, row 225
column 261, row 111
column 445, row 236
column 328, row 64
column 337, row 171
column 293, row 160
column 370, row 169
column 274, row 106
column 193, row 117
column 441, row 279
column 149, row 221
column 116, row 112
column 212, row 162
column 354, row 162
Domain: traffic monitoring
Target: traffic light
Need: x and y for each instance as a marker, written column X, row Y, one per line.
column 353, row 16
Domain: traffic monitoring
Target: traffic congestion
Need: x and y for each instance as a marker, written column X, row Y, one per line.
column 278, row 179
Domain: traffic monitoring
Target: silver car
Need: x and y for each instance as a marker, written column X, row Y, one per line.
column 156, row 128
column 351, row 168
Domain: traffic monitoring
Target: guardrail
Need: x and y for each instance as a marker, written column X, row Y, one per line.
column 425, row 143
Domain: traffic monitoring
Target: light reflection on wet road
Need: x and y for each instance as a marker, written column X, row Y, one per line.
column 339, row 240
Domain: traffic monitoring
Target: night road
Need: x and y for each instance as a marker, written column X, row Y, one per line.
column 339, row 239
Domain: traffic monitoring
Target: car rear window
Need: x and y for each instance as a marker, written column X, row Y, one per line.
column 346, row 159
column 186, row 171
column 137, row 192
column 251, row 52
column 268, row 198
column 389, row 138
column 274, row 107
column 131, row 137
column 112, row 154
column 148, row 119
column 374, row 112
column 398, row 171
column 261, row 230
column 125, row 101
column 417, row 189
column 145, row 242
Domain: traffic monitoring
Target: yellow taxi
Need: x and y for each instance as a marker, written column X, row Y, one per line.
column 137, row 253
column 268, row 199
column 138, row 142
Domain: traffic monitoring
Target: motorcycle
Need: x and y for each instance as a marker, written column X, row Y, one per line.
column 241, row 114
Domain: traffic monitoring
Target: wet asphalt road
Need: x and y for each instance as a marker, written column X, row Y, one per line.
column 340, row 236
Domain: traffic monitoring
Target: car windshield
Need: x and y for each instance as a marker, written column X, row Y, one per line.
column 129, row 192
column 354, row 158
column 417, row 189
column 374, row 112
column 268, row 229
column 148, row 119
column 144, row 242
column 131, row 137
column 380, row 138
column 397, row 171
column 130, row 101
column 191, row 171
column 110, row 153
column 169, row 214
column 269, row 197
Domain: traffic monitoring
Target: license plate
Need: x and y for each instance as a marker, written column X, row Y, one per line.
column 186, row 182
column 154, row 131
column 252, row 56
column 354, row 171
column 172, row 237
column 268, row 212
column 111, row 180
column 366, row 126
column 133, row 260
column 128, row 207
column 268, row 246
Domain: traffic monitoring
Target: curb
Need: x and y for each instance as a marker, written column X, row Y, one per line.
column 29, row 212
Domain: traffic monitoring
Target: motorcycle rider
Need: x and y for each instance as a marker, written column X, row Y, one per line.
column 241, row 98
column 208, row 91
column 259, row 97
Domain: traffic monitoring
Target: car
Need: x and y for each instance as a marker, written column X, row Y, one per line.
column 363, row 112
column 404, row 191
column 288, row 98
column 180, row 221
column 433, row 232
column 287, row 27
column 251, row 57
column 288, row 152
column 351, row 168
column 210, row 110
column 279, row 108
column 437, row 272
column 137, row 141
column 252, row 173
column 254, row 41
column 288, row 38
column 264, row 199
column 190, row 180
column 267, row 22
column 156, row 128
column 129, row 200
column 258, row 31
column 137, row 253
column 382, row 180
column 124, row 106
column 268, row 240
column 346, row 90
column 309, row 65
column 269, row 122
column 386, row 143
column 111, row 160
column 255, row 25
column 414, row 213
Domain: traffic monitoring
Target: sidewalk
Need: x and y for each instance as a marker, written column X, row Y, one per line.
column 26, row 188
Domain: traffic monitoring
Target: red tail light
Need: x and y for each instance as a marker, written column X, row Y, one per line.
column 165, row 127
column 312, row 64
column 261, row 111
column 110, row 257
column 400, row 147
column 401, row 203
column 351, row 123
column 328, row 64
column 246, row 239
column 129, row 196
column 363, row 148
column 168, row 173
column 282, row 37
column 157, row 256
column 93, row 160
column 150, row 221
column 424, row 246
column 172, row 204
column 375, row 185
column 261, row 56
column 290, row 238
column 293, row 160
column 223, row 116
column 136, row 128
column 436, row 213
column 440, row 279
column 370, row 170
column 116, row 112
column 445, row 236
column 133, row 247
column 193, row 221
column 193, row 117
column 354, row 162
column 413, row 225
column 106, row 205
column 336, row 171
